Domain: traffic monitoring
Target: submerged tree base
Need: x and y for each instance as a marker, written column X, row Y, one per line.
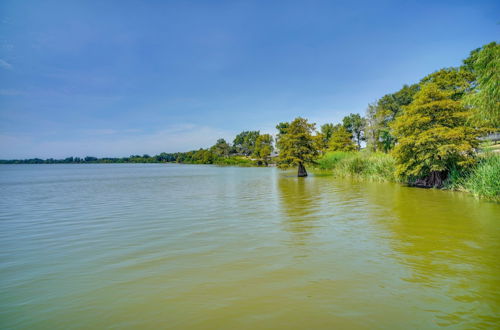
column 302, row 171
column 434, row 180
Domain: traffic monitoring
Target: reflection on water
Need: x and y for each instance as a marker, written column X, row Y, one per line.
column 172, row 246
column 299, row 200
column 450, row 242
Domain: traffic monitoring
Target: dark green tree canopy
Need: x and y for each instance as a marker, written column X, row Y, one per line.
column 390, row 105
column 327, row 131
column 380, row 114
column 221, row 148
column 355, row 124
column 245, row 142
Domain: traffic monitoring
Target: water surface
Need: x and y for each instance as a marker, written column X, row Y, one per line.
column 202, row 247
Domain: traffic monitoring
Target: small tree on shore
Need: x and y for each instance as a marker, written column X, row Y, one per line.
column 297, row 145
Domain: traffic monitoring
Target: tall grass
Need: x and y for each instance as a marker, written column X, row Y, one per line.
column 235, row 161
column 363, row 165
column 484, row 180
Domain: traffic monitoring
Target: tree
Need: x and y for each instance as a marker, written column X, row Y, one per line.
column 381, row 114
column 245, row 142
column 457, row 81
column 386, row 140
column 327, row 131
column 297, row 145
column 355, row 124
column 282, row 128
column 372, row 127
column 263, row 148
column 485, row 97
column 433, row 137
column 341, row 140
column 221, row 148
column 324, row 136
column 203, row 156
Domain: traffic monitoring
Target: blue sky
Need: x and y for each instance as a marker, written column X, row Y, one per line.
column 114, row 78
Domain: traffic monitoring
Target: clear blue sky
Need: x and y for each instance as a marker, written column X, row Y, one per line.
column 114, row 78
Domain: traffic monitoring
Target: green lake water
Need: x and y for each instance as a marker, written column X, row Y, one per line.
column 205, row 247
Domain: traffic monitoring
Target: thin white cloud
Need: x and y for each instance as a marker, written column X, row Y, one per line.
column 4, row 64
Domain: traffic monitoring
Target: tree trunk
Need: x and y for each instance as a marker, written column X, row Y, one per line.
column 435, row 179
column 302, row 171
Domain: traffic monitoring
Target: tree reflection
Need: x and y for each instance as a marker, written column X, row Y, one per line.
column 299, row 206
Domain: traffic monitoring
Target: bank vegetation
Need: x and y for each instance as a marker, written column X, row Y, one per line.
column 428, row 134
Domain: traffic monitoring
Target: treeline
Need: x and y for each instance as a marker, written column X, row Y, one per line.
column 430, row 129
column 248, row 148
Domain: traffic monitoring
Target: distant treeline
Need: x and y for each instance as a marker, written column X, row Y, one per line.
column 90, row 160
column 190, row 157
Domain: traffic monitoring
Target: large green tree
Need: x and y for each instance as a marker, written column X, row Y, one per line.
column 297, row 145
column 433, row 136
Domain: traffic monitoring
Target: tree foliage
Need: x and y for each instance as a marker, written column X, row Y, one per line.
column 355, row 124
column 381, row 114
column 244, row 142
column 457, row 81
column 485, row 98
column 341, row 140
column 433, row 136
column 263, row 148
column 296, row 143
column 221, row 148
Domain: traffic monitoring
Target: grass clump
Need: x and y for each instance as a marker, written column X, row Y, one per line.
column 484, row 179
column 364, row 165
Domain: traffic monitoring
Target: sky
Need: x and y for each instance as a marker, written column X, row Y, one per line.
column 116, row 78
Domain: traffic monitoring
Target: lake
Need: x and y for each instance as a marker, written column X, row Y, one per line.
column 206, row 247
